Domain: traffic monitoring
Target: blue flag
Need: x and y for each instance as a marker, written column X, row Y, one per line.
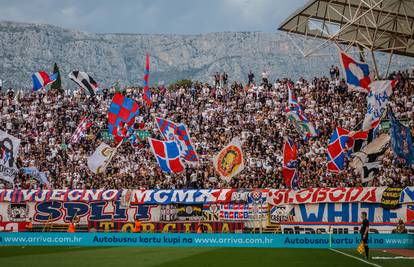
column 401, row 142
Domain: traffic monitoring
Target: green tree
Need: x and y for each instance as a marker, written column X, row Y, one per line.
column 183, row 83
column 58, row 83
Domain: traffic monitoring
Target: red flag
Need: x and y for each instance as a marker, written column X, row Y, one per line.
column 147, row 92
column 290, row 162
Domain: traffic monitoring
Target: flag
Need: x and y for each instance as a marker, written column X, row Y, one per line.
column 85, row 81
column 360, row 143
column 38, row 175
column 368, row 161
column 167, row 128
column 361, row 247
column 121, row 114
column 57, row 84
column 98, row 161
column 80, row 131
column 377, row 99
column 401, row 142
column 298, row 118
column 290, row 163
column 9, row 149
column 337, row 149
column 188, row 151
column 230, row 160
column 167, row 154
column 147, row 92
column 356, row 140
column 179, row 133
column 410, row 213
column 41, row 79
column 357, row 74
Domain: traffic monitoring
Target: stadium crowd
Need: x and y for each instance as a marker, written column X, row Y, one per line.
column 214, row 114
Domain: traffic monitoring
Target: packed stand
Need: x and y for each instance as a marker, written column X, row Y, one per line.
column 214, row 114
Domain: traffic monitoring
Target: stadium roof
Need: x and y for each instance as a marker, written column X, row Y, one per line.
column 377, row 25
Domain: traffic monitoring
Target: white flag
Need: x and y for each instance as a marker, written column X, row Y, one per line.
column 9, row 148
column 100, row 158
column 377, row 99
column 368, row 161
column 230, row 160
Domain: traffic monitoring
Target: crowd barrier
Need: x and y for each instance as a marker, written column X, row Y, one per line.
column 204, row 240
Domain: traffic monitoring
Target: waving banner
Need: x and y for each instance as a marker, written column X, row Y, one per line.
column 377, row 99
column 100, row 158
column 230, row 160
column 9, row 148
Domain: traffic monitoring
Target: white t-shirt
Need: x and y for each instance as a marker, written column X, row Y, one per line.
column 1, row 83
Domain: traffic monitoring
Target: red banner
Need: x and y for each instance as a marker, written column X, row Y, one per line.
column 322, row 195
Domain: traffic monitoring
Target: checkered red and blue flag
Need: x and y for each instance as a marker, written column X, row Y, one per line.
column 290, row 163
column 337, row 150
column 147, row 92
column 41, row 79
column 179, row 133
column 357, row 73
column 167, row 154
column 121, row 114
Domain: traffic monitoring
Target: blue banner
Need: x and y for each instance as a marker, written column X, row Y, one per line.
column 205, row 240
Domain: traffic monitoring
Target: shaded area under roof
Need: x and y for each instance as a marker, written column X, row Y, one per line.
column 377, row 25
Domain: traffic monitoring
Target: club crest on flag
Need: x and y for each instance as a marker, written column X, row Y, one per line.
column 179, row 133
column 100, row 159
column 230, row 160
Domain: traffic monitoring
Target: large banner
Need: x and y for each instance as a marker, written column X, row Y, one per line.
column 273, row 197
column 167, row 196
column 335, row 195
column 339, row 213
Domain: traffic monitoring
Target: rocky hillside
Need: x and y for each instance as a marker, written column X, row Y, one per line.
column 26, row 48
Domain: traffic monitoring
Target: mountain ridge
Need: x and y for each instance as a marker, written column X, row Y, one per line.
column 26, row 48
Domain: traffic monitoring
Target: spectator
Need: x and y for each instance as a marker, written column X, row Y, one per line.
column 45, row 121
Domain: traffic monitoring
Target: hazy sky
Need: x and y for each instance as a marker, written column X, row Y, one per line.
column 153, row 16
